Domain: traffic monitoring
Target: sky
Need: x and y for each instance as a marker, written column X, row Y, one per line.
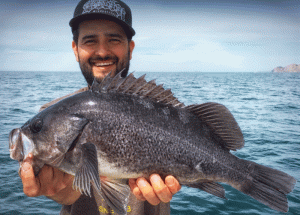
column 171, row 36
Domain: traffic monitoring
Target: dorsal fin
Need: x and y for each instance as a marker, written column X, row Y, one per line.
column 135, row 86
column 107, row 83
column 222, row 123
column 216, row 116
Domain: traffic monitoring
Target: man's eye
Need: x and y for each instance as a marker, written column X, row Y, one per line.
column 115, row 40
column 89, row 41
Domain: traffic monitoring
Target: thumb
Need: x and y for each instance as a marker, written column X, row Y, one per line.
column 31, row 186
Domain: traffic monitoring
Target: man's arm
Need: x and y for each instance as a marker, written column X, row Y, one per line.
column 57, row 185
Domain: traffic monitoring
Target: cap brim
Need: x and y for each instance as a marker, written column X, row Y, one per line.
column 74, row 23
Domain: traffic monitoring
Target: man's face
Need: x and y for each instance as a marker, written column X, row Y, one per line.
column 102, row 48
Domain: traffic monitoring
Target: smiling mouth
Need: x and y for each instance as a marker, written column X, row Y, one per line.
column 103, row 64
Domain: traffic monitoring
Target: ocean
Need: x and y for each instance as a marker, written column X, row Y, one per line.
column 265, row 105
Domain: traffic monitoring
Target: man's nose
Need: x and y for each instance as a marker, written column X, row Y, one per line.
column 102, row 49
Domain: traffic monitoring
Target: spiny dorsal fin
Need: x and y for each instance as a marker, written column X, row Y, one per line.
column 107, row 83
column 136, row 86
column 222, row 123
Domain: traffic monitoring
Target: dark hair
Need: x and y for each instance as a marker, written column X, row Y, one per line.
column 75, row 35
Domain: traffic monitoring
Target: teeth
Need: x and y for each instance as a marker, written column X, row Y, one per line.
column 104, row 64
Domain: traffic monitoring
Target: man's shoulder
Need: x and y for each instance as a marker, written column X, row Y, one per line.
column 61, row 98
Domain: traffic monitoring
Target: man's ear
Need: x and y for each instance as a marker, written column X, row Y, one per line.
column 75, row 50
column 131, row 47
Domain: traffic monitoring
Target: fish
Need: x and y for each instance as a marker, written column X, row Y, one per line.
column 128, row 127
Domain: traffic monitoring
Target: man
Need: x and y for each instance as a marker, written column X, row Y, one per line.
column 102, row 33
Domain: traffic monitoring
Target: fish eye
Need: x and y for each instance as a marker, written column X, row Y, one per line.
column 36, row 126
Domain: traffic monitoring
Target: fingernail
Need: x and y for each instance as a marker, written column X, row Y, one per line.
column 170, row 180
column 141, row 183
column 25, row 167
column 155, row 178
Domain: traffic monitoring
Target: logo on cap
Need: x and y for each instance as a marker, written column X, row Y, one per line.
column 109, row 7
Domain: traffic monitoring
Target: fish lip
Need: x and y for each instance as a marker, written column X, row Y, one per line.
column 19, row 145
column 28, row 146
column 12, row 138
column 15, row 145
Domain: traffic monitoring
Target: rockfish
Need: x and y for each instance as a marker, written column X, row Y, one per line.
column 126, row 128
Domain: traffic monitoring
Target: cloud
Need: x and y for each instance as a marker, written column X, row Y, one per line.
column 218, row 41
column 201, row 55
column 171, row 35
column 19, row 60
column 36, row 37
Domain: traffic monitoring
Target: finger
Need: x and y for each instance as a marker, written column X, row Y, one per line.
column 68, row 179
column 160, row 189
column 46, row 179
column 61, row 179
column 147, row 191
column 52, row 180
column 172, row 184
column 31, row 186
column 136, row 190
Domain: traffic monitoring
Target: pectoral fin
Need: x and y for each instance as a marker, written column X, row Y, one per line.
column 116, row 194
column 87, row 171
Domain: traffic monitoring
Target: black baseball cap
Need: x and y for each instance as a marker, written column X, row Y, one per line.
column 114, row 10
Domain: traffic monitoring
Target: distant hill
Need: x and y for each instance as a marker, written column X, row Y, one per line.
column 289, row 68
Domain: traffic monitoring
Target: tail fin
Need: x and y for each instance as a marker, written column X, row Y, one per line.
column 269, row 186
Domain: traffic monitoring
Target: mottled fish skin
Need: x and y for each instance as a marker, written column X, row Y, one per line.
column 127, row 128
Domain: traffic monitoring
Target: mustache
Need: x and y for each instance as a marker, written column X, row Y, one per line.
column 106, row 58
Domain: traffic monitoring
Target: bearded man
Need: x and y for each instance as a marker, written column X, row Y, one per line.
column 102, row 44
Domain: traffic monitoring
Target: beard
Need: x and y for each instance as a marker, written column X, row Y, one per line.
column 121, row 66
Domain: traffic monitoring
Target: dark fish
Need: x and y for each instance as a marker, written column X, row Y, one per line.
column 126, row 128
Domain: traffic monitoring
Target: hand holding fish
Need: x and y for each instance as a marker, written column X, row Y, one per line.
column 156, row 191
column 50, row 182
column 57, row 185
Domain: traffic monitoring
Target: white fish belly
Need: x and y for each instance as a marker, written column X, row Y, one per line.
column 110, row 170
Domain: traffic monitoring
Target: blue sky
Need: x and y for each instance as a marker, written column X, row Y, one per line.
column 179, row 35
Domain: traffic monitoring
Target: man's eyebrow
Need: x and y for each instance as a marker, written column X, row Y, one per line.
column 114, row 35
column 89, row 37
column 92, row 36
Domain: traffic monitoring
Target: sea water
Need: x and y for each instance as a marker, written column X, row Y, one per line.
column 265, row 105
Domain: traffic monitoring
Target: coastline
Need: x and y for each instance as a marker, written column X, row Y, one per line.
column 290, row 68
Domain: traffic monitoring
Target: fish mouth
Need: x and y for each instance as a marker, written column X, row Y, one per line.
column 19, row 145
